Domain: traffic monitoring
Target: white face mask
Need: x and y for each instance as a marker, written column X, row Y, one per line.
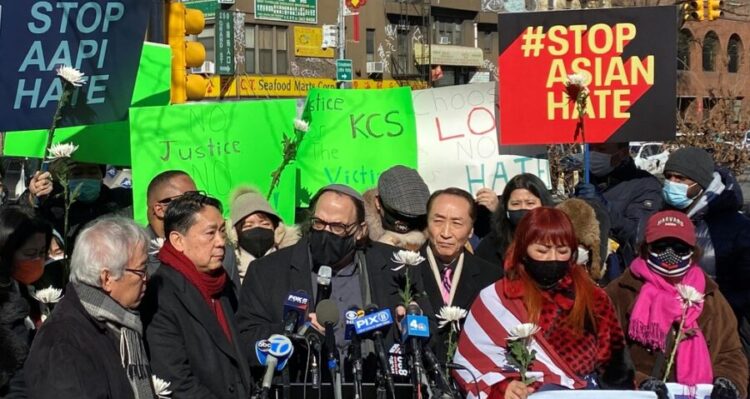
column 601, row 163
column 583, row 256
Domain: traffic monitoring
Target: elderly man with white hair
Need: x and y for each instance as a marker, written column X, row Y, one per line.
column 92, row 344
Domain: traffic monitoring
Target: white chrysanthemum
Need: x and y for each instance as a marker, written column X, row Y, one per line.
column 155, row 245
column 451, row 314
column 60, row 150
column 522, row 331
column 689, row 295
column 72, row 75
column 48, row 295
column 576, row 79
column 406, row 258
column 161, row 387
column 301, row 125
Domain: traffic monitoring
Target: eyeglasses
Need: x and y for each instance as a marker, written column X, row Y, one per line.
column 142, row 273
column 339, row 229
column 167, row 200
column 678, row 247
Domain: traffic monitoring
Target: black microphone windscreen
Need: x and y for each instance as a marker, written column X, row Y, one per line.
column 371, row 308
column 413, row 309
column 327, row 312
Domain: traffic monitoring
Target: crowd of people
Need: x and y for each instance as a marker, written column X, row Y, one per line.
column 634, row 284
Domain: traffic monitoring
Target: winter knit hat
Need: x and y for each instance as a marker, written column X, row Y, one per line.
column 694, row 163
column 247, row 201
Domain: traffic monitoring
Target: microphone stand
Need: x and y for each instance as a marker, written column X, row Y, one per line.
column 355, row 353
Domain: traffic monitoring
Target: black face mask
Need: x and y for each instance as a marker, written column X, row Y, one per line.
column 256, row 241
column 515, row 216
column 546, row 273
column 329, row 249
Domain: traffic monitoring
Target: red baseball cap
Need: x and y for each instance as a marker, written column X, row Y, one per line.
column 670, row 224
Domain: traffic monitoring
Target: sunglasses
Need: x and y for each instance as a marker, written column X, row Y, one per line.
column 679, row 248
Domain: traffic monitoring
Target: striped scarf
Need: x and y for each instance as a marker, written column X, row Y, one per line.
column 127, row 324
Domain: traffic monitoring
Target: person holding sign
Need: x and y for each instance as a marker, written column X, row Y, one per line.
column 523, row 193
column 664, row 300
column 579, row 343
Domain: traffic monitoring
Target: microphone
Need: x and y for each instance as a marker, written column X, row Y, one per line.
column 324, row 284
column 415, row 327
column 328, row 315
column 371, row 325
column 295, row 310
column 274, row 354
column 433, row 365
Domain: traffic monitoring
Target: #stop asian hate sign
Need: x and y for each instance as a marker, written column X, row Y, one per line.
column 627, row 57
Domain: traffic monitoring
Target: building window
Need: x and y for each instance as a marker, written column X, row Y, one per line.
column 206, row 37
column 734, row 53
column 370, row 45
column 710, row 51
column 446, row 31
column 405, row 64
column 683, row 50
column 266, row 49
column 250, row 49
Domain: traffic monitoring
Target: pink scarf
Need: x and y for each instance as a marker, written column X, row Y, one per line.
column 657, row 308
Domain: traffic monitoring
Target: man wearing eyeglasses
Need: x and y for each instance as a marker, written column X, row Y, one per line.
column 163, row 189
column 362, row 274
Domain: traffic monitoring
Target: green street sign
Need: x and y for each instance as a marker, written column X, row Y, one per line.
column 224, row 42
column 303, row 11
column 207, row 6
column 344, row 70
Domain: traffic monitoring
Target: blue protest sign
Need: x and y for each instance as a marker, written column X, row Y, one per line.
column 102, row 38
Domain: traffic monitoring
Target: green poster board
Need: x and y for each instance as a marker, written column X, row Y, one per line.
column 354, row 136
column 106, row 143
column 220, row 145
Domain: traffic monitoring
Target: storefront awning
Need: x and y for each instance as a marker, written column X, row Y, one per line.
column 449, row 55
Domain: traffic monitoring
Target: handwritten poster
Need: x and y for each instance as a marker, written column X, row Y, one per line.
column 220, row 145
column 457, row 142
column 354, row 136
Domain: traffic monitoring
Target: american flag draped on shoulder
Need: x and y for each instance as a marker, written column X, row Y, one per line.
column 482, row 347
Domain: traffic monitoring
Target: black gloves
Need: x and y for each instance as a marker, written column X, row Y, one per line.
column 655, row 385
column 724, row 389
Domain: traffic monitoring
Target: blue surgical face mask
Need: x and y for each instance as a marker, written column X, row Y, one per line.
column 676, row 194
column 89, row 189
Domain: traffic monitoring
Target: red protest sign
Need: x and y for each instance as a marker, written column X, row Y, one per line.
column 627, row 57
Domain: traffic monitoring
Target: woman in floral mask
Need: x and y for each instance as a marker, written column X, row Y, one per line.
column 578, row 342
column 23, row 250
column 665, row 295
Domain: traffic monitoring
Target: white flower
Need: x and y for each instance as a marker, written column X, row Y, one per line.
column 522, row 331
column 301, row 125
column 689, row 295
column 576, row 79
column 451, row 314
column 72, row 75
column 155, row 245
column 60, row 150
column 404, row 258
column 161, row 387
column 48, row 295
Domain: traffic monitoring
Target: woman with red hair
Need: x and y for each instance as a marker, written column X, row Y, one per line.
column 579, row 344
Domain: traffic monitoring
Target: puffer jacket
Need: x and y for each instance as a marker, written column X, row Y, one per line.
column 723, row 234
column 14, row 342
column 717, row 322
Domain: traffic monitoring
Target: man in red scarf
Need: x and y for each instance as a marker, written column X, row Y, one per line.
column 188, row 315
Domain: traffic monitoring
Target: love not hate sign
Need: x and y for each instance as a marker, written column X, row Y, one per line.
column 627, row 57
column 101, row 38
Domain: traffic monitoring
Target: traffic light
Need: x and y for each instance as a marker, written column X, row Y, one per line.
column 693, row 10
column 714, row 9
column 182, row 21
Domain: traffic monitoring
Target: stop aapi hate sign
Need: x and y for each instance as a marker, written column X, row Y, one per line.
column 627, row 56
column 102, row 38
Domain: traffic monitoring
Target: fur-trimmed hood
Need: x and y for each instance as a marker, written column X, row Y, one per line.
column 412, row 240
column 587, row 231
column 284, row 236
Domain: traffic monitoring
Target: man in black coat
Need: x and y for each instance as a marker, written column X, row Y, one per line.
column 191, row 336
column 363, row 274
column 451, row 275
column 91, row 345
